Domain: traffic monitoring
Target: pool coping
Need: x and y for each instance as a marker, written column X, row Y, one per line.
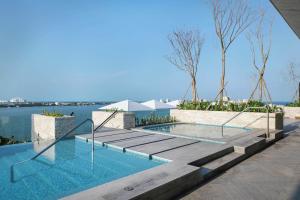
column 203, row 139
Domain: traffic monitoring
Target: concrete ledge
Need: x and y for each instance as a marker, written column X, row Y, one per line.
column 163, row 182
column 247, row 119
column 291, row 112
column 122, row 120
column 250, row 146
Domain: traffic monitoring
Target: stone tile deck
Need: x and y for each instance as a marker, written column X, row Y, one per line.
column 190, row 160
column 271, row 174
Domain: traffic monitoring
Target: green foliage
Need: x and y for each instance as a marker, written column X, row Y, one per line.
column 5, row 141
column 154, row 119
column 294, row 104
column 230, row 106
column 52, row 114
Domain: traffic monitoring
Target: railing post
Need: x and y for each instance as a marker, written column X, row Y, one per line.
column 268, row 125
column 222, row 129
column 93, row 142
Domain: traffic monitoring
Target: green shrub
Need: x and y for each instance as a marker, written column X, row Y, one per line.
column 229, row 106
column 294, row 104
column 154, row 119
column 52, row 114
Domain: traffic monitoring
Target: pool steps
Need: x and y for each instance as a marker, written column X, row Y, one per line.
column 242, row 150
column 176, row 178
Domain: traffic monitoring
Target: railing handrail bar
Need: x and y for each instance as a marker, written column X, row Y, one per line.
column 235, row 116
column 63, row 136
column 49, row 146
column 106, row 120
column 266, row 107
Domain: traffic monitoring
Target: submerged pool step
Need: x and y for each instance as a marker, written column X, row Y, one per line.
column 221, row 164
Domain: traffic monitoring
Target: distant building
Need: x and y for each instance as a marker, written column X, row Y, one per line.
column 3, row 101
column 17, row 100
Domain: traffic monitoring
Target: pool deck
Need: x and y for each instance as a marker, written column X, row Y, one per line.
column 271, row 174
column 191, row 162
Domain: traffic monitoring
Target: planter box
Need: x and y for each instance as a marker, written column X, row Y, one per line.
column 247, row 119
column 291, row 112
column 122, row 120
column 48, row 128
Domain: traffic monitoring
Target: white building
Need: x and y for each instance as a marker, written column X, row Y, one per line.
column 127, row 105
column 17, row 100
column 157, row 105
column 3, row 101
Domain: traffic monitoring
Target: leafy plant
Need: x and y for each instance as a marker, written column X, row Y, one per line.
column 294, row 104
column 154, row 119
column 229, row 106
column 52, row 114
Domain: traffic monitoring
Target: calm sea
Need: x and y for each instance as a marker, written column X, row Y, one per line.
column 17, row 121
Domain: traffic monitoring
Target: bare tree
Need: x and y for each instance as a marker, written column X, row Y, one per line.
column 187, row 46
column 260, row 44
column 294, row 78
column 231, row 18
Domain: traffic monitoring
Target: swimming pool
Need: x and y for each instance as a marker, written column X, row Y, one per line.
column 65, row 169
column 196, row 130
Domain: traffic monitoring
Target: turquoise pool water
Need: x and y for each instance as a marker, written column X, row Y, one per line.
column 197, row 130
column 65, row 169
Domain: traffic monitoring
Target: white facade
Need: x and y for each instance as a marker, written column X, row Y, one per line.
column 126, row 105
column 174, row 103
column 17, row 100
column 157, row 105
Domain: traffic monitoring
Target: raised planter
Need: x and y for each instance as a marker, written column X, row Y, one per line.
column 47, row 128
column 247, row 119
column 291, row 112
column 122, row 120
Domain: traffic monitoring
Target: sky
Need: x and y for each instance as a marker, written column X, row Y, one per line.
column 96, row 50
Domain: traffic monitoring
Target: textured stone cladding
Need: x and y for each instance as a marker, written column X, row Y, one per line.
column 247, row 119
column 291, row 112
column 48, row 128
column 122, row 120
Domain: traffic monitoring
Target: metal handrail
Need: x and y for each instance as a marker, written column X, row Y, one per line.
column 235, row 116
column 208, row 107
column 63, row 136
column 52, row 144
column 106, row 120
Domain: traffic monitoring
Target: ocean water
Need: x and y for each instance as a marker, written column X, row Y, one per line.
column 17, row 121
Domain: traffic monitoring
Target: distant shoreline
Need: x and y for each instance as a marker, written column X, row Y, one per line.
column 38, row 104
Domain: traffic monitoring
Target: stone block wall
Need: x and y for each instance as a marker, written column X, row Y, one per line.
column 291, row 112
column 247, row 119
column 48, row 128
column 122, row 120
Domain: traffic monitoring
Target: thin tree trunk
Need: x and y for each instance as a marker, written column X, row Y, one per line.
column 222, row 77
column 194, row 89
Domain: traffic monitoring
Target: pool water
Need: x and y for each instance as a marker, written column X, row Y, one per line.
column 197, row 130
column 65, row 169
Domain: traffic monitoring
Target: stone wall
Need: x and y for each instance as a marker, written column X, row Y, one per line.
column 122, row 120
column 48, row 128
column 247, row 119
column 291, row 112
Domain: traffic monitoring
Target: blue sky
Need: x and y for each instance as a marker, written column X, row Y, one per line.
column 113, row 50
